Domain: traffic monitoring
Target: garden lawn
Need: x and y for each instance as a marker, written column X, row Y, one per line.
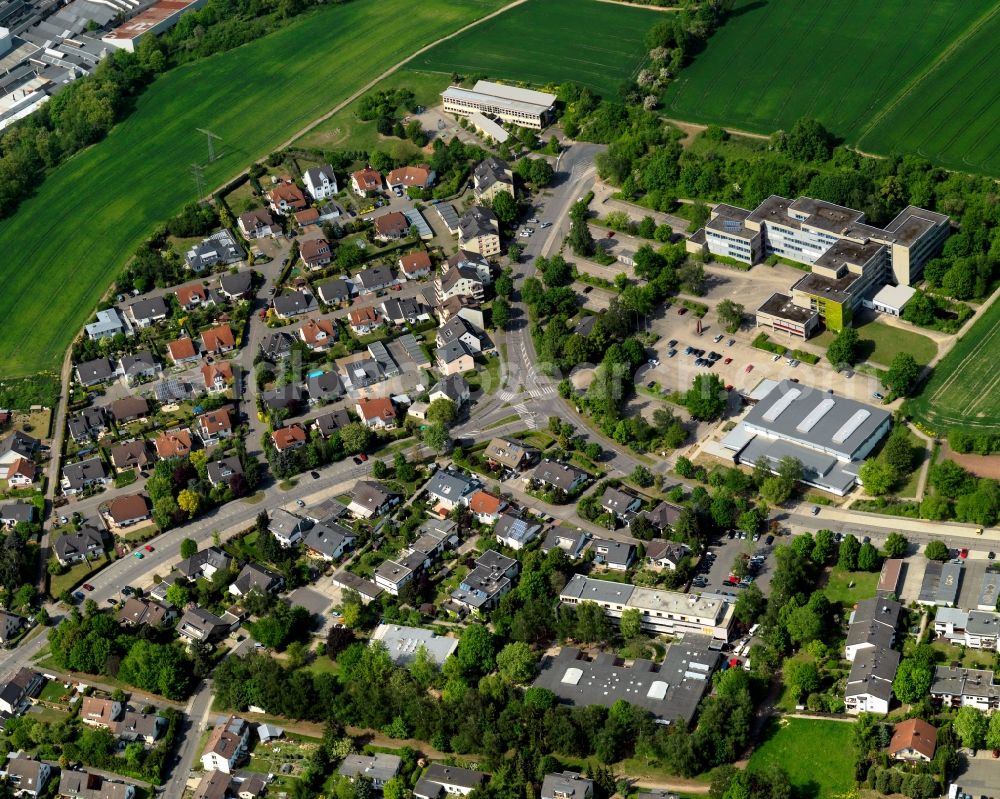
column 894, row 76
column 880, row 343
column 69, row 241
column 837, row 588
column 547, row 42
column 963, row 390
column 816, row 753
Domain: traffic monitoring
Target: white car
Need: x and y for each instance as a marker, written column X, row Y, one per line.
column 546, row 224
column 524, row 234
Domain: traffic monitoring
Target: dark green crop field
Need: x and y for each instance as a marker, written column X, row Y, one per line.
column 65, row 245
column 910, row 76
column 551, row 41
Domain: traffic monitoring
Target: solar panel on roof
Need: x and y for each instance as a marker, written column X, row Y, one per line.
column 731, row 225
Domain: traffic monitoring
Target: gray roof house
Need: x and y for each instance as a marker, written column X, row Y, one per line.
column 87, row 424
column 205, row 563
column 402, row 643
column 87, row 785
column 328, row 541
column 621, row 504
column 276, row 345
column 84, row 474
column 236, row 285
column 452, row 387
column 379, row 768
column 148, row 311
column 99, row 370
column 110, row 322
column 334, row 292
column 287, row 397
column 616, row 555
column 515, row 532
column 559, row 475
column 287, row 528
column 509, row 453
column 324, row 387
column 373, row 279
column 222, row 470
column 440, row 779
column 197, row 624
column 664, row 516
column 459, row 329
column 28, row 776
column 17, row 688
column 10, row 626
column 405, row 310
column 219, row 248
column 320, row 182
column 483, row 587
column 567, row 785
column 17, row 511
column 330, row 422
column 295, row 304
column 449, row 488
column 664, row 554
column 77, row 547
column 369, row 499
column 256, row 578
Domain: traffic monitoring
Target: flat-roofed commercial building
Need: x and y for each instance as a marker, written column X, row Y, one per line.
column 829, row 434
column 157, row 18
column 781, row 313
column 669, row 612
column 940, row 584
column 523, row 107
column 850, row 260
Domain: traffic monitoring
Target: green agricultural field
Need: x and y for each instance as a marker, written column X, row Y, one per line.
column 547, row 42
column 817, row 755
column 66, row 244
column 897, row 75
column 963, row 390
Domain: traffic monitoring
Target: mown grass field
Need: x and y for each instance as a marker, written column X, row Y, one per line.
column 549, row 42
column 816, row 753
column 66, row 244
column 880, row 343
column 897, row 75
column 964, row 390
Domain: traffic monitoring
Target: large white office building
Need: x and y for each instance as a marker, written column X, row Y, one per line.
column 523, row 107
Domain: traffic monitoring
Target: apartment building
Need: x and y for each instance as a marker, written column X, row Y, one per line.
column 955, row 687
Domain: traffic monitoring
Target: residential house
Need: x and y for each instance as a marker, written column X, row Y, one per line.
column 321, row 182
column 215, row 426
column 315, row 253
column 227, row 745
column 21, row 474
column 334, row 292
column 377, row 412
column 324, row 387
column 452, row 387
column 173, row 443
column 379, row 768
column 664, row 516
column 415, row 265
column 366, row 182
column 28, row 777
column 328, row 542
column 364, row 320
column 128, row 509
column 148, row 311
column 318, row 334
column 78, row 546
column 359, row 371
column 10, row 626
column 131, row 455
column 391, row 226
column 479, row 231
column 236, row 285
column 331, row 422
column 287, row 528
column 17, row 446
column 18, row 689
column 217, row 376
column 183, row 351
column 87, row 424
column 366, row 589
column 869, row 684
column 295, row 303
column 128, row 409
column 458, row 329
column 275, row 346
column 458, row 281
column 139, row 611
column 485, row 507
column 440, row 779
column 374, row 279
column 572, row 543
column 99, row 712
column 410, row 177
column 515, row 531
column 954, row 687
column 215, row 785
column 204, row 563
column 620, row 504
column 914, row 740
column 258, row 224
column 510, row 454
column 466, row 307
column 454, row 359
column 16, row 511
column 218, row 340
column 662, row 554
column 85, row 785
column 370, row 499
column 95, row 372
column 307, row 217
column 491, row 579
column 283, row 398
column 433, row 537
column 559, row 476
column 110, row 322
column 223, row 470
column 286, row 198
column 615, row 555
column 138, row 366
column 197, row 625
column 872, row 625
column 449, row 488
column 286, row 439
column 491, row 177
column 394, row 575
column 567, row 785
column 191, row 296
column 256, row 578
column 465, row 259
column 219, row 249
column 405, row 310
column 80, row 476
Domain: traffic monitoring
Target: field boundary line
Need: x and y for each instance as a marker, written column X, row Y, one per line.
column 374, row 82
column 972, row 353
column 945, row 54
column 668, row 9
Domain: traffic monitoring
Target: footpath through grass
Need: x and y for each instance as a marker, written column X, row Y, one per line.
column 552, row 41
column 817, row 754
column 68, row 242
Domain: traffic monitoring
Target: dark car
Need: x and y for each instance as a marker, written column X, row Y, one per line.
column 314, row 475
column 769, row 540
column 672, row 343
column 357, row 460
column 588, row 289
column 681, row 311
column 78, row 596
column 88, row 587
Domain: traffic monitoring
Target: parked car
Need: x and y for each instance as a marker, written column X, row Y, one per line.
column 681, row 311
column 717, row 339
column 728, row 361
column 878, row 396
column 314, row 475
column 79, row 596
column 749, row 368
column 88, row 587
column 139, row 555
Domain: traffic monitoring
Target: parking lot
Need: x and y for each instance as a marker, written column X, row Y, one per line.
column 980, row 776
column 726, row 550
